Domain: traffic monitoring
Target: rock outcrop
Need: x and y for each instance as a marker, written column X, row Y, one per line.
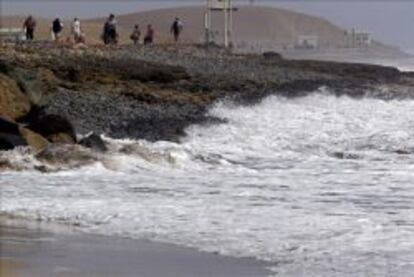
column 156, row 93
column 36, row 141
column 14, row 104
column 38, row 85
column 10, row 136
column 93, row 141
column 14, row 135
column 55, row 128
column 66, row 155
column 114, row 70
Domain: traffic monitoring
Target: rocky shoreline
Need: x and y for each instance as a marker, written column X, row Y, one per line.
column 154, row 93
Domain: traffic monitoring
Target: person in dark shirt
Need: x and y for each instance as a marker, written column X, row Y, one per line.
column 150, row 35
column 29, row 25
column 176, row 29
column 110, row 34
column 57, row 27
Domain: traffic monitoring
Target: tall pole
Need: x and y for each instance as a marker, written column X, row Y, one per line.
column 207, row 22
column 226, row 24
column 353, row 37
column 231, row 20
column 206, row 26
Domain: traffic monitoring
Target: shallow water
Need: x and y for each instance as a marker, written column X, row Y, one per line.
column 319, row 186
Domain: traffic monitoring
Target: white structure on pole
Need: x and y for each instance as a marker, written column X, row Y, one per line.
column 226, row 7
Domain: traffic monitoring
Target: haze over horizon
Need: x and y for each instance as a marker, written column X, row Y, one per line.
column 390, row 22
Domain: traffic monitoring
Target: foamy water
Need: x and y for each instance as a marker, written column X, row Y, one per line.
column 319, row 186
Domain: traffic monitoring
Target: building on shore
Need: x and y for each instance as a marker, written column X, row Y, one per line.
column 226, row 7
column 307, row 42
column 360, row 39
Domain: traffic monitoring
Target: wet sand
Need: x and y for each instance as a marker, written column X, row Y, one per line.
column 42, row 252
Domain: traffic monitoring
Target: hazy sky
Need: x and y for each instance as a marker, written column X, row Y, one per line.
column 391, row 21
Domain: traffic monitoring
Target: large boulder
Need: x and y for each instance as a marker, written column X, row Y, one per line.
column 272, row 56
column 67, row 156
column 13, row 135
column 14, row 104
column 93, row 141
column 9, row 135
column 38, row 85
column 36, row 141
column 55, row 128
column 10, row 141
column 4, row 66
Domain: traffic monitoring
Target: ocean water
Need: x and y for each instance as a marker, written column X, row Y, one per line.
column 404, row 65
column 318, row 186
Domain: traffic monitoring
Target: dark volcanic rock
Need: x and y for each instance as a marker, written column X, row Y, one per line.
column 9, row 127
column 115, row 69
column 4, row 67
column 150, row 72
column 94, row 142
column 55, row 128
column 166, row 128
column 12, row 135
column 155, row 93
column 272, row 56
column 10, row 141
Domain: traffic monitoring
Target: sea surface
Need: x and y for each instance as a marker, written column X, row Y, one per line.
column 404, row 65
column 318, row 186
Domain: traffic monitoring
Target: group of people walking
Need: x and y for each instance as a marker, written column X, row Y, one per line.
column 110, row 33
column 56, row 29
column 148, row 38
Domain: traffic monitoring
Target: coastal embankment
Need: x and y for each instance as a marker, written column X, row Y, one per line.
column 155, row 93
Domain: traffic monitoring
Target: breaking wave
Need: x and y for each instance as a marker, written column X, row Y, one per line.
column 317, row 184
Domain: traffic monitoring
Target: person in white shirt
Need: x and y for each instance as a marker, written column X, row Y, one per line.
column 76, row 30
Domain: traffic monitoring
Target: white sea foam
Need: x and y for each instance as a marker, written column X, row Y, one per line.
column 321, row 186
